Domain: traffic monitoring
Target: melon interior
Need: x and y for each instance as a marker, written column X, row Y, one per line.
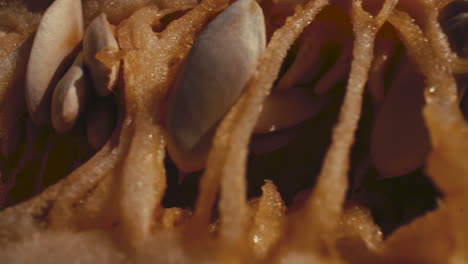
column 317, row 199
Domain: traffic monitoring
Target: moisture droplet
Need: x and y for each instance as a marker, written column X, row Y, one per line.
column 256, row 239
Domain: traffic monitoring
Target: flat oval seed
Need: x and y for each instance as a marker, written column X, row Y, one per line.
column 69, row 97
column 59, row 33
column 100, row 122
column 99, row 36
column 216, row 70
column 270, row 142
column 400, row 140
column 283, row 109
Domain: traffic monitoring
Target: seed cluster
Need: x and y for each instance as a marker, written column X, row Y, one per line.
column 58, row 93
column 231, row 44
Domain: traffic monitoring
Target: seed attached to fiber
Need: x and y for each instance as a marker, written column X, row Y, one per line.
column 69, row 97
column 283, row 109
column 400, row 141
column 270, row 142
column 60, row 32
column 98, row 37
column 216, row 70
